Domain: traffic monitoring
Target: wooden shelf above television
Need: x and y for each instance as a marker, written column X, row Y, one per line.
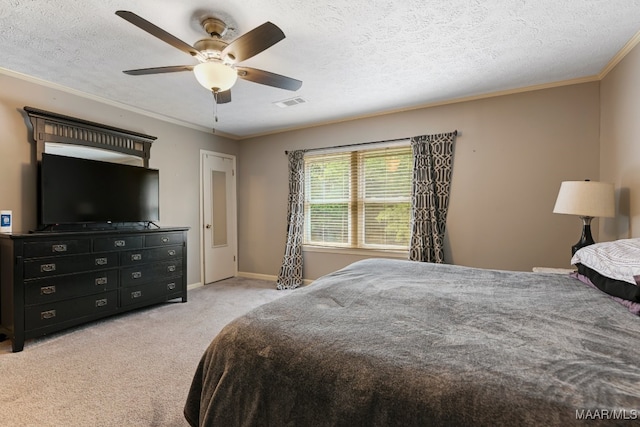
column 58, row 128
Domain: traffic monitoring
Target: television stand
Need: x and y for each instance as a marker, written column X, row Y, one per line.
column 53, row 280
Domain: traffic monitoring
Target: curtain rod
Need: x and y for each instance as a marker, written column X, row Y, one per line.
column 455, row 133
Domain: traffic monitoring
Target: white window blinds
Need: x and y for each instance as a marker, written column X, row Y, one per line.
column 359, row 199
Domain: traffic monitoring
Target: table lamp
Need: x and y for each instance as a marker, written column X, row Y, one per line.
column 587, row 199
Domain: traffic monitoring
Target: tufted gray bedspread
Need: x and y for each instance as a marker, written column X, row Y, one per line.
column 386, row 342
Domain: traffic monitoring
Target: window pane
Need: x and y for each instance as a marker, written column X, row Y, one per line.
column 329, row 223
column 387, row 224
column 329, row 178
column 385, row 179
column 327, row 199
column 387, row 174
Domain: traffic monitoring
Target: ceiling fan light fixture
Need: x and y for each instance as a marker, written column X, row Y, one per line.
column 215, row 76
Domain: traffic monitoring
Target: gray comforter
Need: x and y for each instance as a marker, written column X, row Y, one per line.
column 384, row 342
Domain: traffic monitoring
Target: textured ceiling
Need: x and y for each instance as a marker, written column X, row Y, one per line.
column 356, row 57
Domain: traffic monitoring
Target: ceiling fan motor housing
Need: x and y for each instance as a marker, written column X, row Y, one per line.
column 214, row 27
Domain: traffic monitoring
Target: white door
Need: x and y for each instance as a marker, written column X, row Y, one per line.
column 219, row 229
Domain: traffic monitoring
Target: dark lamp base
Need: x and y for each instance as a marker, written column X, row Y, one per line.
column 586, row 239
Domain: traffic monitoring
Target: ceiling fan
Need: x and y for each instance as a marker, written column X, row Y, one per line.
column 218, row 69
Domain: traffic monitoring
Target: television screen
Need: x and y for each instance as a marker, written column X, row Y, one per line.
column 74, row 190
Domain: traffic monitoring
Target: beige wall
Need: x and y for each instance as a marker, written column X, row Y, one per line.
column 620, row 145
column 175, row 153
column 513, row 152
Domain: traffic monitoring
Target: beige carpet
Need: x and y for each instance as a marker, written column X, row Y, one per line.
column 129, row 370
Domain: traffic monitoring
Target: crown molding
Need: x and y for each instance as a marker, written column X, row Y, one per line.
column 628, row 47
column 106, row 101
column 487, row 95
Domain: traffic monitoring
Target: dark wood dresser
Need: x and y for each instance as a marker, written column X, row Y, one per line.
column 54, row 280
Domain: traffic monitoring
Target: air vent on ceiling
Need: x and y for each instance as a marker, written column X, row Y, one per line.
column 290, row 102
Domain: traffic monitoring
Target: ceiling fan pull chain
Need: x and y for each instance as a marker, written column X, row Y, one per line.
column 215, row 110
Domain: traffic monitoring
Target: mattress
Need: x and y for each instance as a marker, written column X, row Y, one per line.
column 388, row 342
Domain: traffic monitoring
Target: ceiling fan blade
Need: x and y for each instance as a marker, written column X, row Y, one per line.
column 254, row 42
column 223, row 97
column 158, row 32
column 267, row 78
column 159, row 70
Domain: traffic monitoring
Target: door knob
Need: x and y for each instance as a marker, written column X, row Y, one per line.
column 208, row 226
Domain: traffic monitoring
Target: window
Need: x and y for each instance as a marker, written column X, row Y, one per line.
column 359, row 199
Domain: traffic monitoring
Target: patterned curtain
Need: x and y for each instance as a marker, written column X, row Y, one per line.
column 290, row 276
column 432, row 167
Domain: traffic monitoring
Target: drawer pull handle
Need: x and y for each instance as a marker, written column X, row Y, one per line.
column 165, row 240
column 119, row 243
column 171, row 252
column 47, row 290
column 101, row 302
column 101, row 261
column 45, row 268
column 171, row 286
column 59, row 248
column 136, row 274
column 171, row 268
column 101, row 281
column 136, row 294
column 136, row 257
column 49, row 314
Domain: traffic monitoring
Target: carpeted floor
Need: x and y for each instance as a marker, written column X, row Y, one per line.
column 129, row 370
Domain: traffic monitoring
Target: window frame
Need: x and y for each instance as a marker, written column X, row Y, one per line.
column 355, row 204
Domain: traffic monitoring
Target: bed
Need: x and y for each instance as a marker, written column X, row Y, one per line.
column 389, row 342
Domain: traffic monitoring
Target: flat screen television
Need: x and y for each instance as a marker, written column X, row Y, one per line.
column 75, row 190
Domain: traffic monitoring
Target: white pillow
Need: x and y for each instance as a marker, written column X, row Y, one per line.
column 618, row 260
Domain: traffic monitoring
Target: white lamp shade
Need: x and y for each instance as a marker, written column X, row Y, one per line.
column 586, row 198
column 215, row 76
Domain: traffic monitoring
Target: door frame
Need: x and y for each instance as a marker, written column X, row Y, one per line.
column 234, row 207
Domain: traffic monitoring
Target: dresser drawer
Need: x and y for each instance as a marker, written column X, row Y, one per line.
column 163, row 239
column 54, row 266
column 150, row 272
column 39, row 316
column 39, row 291
column 56, row 247
column 106, row 244
column 174, row 287
column 145, row 256
column 141, row 293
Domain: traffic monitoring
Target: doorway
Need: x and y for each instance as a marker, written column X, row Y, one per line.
column 218, row 216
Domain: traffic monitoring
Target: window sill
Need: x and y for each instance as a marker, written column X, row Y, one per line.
column 357, row 251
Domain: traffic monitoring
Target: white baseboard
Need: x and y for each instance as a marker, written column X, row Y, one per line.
column 194, row 285
column 266, row 277
column 257, row 276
